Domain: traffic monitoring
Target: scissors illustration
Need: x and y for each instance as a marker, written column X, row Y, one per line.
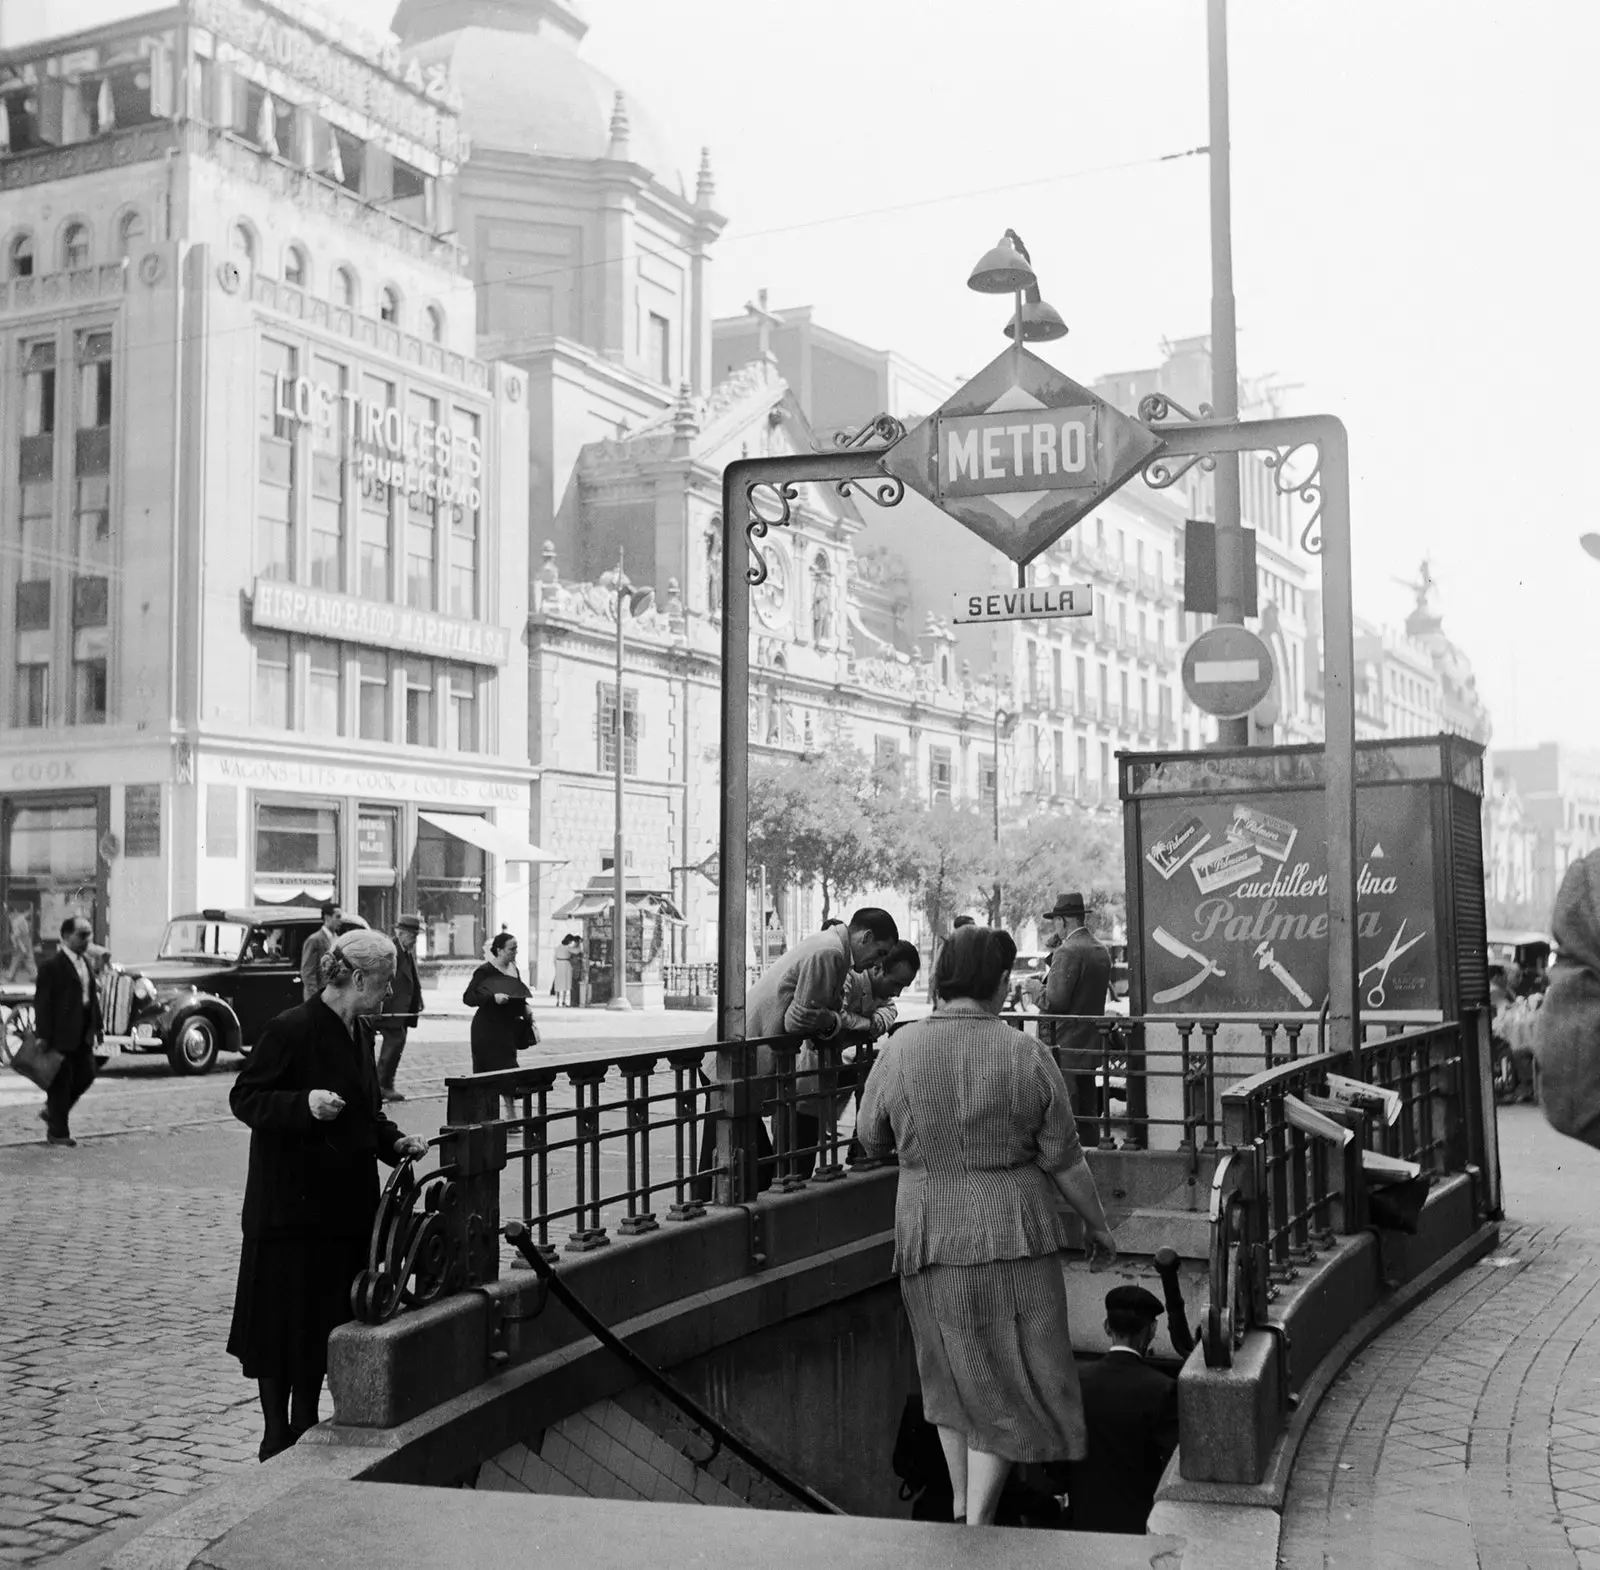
column 1375, row 998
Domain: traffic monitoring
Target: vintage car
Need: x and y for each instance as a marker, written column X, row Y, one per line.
column 219, row 977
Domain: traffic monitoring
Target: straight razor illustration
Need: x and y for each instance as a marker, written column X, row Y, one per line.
column 1207, row 969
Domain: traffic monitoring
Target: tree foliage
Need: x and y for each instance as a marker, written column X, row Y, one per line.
column 1051, row 853
column 940, row 854
column 813, row 820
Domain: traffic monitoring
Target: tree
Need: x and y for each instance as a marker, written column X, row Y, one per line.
column 1050, row 853
column 939, row 853
column 812, row 821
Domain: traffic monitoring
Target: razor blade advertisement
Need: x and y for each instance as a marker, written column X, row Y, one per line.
column 1228, row 864
column 1175, row 847
column 1233, row 901
column 1271, row 836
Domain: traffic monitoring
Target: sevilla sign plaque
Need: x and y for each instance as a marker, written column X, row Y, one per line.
column 1021, row 453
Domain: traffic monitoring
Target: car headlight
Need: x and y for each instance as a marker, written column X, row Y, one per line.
column 145, row 990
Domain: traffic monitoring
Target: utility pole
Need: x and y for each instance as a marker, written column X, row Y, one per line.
column 1231, row 589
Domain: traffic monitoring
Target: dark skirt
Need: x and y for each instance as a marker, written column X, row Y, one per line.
column 994, row 1356
column 291, row 1294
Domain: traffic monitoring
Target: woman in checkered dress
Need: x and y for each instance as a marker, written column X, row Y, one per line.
column 988, row 1150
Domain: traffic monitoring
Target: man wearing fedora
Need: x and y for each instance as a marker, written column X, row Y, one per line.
column 1080, row 973
column 403, row 1006
column 1130, row 1415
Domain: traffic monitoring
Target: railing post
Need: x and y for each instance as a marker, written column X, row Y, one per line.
column 1190, row 1090
column 587, row 1233
column 476, row 1155
column 1136, row 1087
column 828, row 1168
column 738, row 1153
column 685, row 1132
column 787, row 1178
column 636, row 1079
column 1208, row 1034
column 1104, row 1028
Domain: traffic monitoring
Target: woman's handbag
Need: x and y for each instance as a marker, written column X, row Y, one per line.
column 35, row 1061
column 527, row 1031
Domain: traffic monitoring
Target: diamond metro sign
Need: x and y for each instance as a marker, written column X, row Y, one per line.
column 1021, row 453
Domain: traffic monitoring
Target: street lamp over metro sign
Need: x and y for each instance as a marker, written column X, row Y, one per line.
column 1021, row 453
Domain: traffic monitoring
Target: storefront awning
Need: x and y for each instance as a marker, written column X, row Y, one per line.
column 505, row 844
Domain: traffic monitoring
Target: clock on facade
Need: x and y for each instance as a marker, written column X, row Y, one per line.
column 771, row 597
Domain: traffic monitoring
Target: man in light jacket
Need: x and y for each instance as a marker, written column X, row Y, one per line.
column 801, row 994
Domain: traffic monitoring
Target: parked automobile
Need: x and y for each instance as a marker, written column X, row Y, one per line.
column 219, row 976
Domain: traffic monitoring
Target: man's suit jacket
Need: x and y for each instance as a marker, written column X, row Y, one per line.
column 59, row 1017
column 405, row 995
column 800, row 993
column 311, row 951
column 1130, row 1409
column 1080, row 974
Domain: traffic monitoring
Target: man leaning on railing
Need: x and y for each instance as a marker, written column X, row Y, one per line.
column 800, row 994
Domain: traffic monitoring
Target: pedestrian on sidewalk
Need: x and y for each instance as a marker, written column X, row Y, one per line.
column 315, row 946
column 66, row 1019
column 503, row 1024
column 404, row 1008
column 309, row 1094
column 1567, row 1033
column 1079, row 978
column 982, row 1123
column 1130, row 1411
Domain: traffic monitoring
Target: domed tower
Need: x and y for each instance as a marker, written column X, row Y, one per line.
column 590, row 255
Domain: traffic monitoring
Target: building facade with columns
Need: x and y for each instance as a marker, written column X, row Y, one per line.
column 256, row 483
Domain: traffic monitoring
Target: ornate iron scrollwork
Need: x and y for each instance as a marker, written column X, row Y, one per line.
column 421, row 1245
column 883, row 431
column 779, row 498
column 1307, row 487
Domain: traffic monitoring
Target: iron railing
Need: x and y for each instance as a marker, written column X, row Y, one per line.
column 1283, row 1194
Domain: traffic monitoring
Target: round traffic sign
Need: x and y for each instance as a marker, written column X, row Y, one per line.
column 1227, row 671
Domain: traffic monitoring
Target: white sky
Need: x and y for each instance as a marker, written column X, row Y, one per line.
column 1413, row 188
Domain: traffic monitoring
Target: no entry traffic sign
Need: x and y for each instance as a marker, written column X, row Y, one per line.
column 1227, row 671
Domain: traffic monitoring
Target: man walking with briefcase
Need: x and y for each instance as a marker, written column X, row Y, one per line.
column 66, row 1019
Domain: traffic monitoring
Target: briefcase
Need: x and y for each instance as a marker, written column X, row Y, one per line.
column 39, row 1063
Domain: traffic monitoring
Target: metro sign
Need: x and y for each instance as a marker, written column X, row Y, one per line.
column 1021, row 453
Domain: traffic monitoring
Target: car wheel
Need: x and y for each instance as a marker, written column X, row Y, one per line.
column 194, row 1046
column 18, row 1018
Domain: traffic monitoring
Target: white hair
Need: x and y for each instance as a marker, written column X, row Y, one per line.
column 360, row 950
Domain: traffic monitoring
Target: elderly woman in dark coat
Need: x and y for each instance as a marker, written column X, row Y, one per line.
column 309, row 1093
column 988, row 1150
column 503, row 1025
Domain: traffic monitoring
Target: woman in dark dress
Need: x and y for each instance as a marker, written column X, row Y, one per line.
column 309, row 1093
column 503, row 1024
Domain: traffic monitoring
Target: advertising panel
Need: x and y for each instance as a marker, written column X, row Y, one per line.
column 1234, row 892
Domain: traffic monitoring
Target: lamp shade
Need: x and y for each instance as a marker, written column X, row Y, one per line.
column 1591, row 543
column 1002, row 270
column 1041, row 322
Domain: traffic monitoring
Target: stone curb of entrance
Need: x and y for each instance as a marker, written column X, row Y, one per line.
column 1268, row 1495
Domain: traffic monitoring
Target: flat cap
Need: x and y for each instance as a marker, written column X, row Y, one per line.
column 1134, row 1300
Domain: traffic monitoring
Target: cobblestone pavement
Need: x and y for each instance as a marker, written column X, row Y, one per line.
column 117, row 1263
column 1469, row 1433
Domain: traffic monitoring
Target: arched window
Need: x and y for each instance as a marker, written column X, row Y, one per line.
column 242, row 247
column 344, row 288
column 130, row 230
column 19, row 260
column 435, row 324
column 294, row 267
column 75, row 246
column 389, row 305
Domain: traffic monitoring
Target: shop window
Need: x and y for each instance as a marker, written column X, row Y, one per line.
column 19, row 256
column 52, row 872
column 75, row 247
column 373, row 702
column 608, row 729
column 324, row 689
column 130, row 230
column 940, row 773
column 273, row 687
column 297, row 853
column 389, row 305
column 464, row 708
column 464, row 521
column 433, row 320
column 91, row 652
column 31, row 708
column 294, row 267
column 419, row 703
column 451, row 879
